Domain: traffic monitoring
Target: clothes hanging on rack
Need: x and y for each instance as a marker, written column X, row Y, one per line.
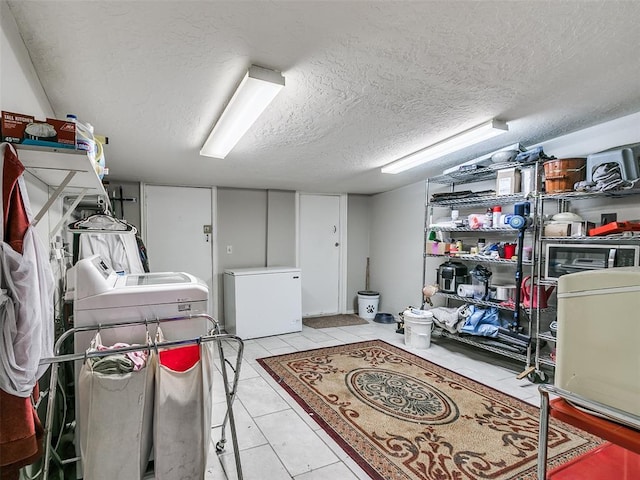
column 115, row 240
column 119, row 250
column 27, row 329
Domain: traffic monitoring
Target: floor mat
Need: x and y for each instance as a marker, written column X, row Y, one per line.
column 400, row 416
column 328, row 321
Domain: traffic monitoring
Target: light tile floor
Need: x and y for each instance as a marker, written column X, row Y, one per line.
column 277, row 440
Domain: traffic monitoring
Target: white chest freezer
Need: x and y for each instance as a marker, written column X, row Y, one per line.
column 260, row 302
column 597, row 351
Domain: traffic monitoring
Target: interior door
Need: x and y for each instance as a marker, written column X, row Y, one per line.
column 319, row 253
column 174, row 219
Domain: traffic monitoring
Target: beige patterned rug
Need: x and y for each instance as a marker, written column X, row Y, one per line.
column 328, row 321
column 401, row 417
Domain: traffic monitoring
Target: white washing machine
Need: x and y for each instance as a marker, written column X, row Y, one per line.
column 102, row 297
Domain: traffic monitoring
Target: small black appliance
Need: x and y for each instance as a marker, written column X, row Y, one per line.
column 450, row 275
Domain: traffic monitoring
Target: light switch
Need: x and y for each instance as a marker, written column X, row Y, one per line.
column 229, row 249
column 207, row 229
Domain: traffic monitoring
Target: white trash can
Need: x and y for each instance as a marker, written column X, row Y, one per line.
column 368, row 304
column 417, row 328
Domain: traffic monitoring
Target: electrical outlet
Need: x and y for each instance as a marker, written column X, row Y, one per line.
column 229, row 249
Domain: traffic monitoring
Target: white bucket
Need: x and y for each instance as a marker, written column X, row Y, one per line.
column 417, row 328
column 368, row 304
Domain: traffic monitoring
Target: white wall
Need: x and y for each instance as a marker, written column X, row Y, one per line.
column 21, row 92
column 358, row 246
column 281, row 228
column 397, row 233
column 20, row 88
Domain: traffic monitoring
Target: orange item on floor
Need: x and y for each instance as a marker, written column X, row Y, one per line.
column 619, row 460
column 180, row 359
column 608, row 462
column 612, row 432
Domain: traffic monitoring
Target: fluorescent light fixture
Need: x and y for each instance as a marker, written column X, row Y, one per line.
column 449, row 145
column 256, row 91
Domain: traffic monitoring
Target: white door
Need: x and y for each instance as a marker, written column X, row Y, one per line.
column 319, row 253
column 174, row 218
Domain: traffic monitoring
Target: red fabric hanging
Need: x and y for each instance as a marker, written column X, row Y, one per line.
column 15, row 218
column 180, row 359
column 20, row 429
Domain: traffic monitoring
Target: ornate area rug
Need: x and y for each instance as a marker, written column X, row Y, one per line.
column 401, row 417
column 328, row 321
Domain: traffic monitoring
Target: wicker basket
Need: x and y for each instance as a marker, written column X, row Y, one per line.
column 562, row 174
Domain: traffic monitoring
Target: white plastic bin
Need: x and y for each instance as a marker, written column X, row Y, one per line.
column 417, row 328
column 368, row 304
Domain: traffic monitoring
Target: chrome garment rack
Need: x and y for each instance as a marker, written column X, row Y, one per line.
column 214, row 336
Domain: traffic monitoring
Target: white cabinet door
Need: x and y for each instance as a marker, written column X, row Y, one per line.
column 319, row 245
column 174, row 218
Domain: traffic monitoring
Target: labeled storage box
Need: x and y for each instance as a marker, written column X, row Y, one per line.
column 508, row 181
column 438, row 248
column 25, row 129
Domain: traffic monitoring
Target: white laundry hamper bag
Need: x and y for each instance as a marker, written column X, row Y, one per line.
column 116, row 421
column 182, row 419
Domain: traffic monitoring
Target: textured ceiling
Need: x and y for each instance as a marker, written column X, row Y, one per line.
column 366, row 82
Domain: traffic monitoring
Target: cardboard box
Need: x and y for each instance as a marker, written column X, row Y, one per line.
column 438, row 248
column 13, row 126
column 508, row 181
column 25, row 129
column 66, row 131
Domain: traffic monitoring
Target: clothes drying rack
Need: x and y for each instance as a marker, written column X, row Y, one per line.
column 214, row 335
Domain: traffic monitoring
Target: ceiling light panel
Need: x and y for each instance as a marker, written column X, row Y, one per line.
column 256, row 91
column 449, row 145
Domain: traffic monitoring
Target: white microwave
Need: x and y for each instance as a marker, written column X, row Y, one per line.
column 563, row 258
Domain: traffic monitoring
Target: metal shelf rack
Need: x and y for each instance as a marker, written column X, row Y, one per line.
column 477, row 258
column 483, row 303
column 474, row 175
column 479, row 200
column 467, row 199
column 498, row 231
column 484, row 343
